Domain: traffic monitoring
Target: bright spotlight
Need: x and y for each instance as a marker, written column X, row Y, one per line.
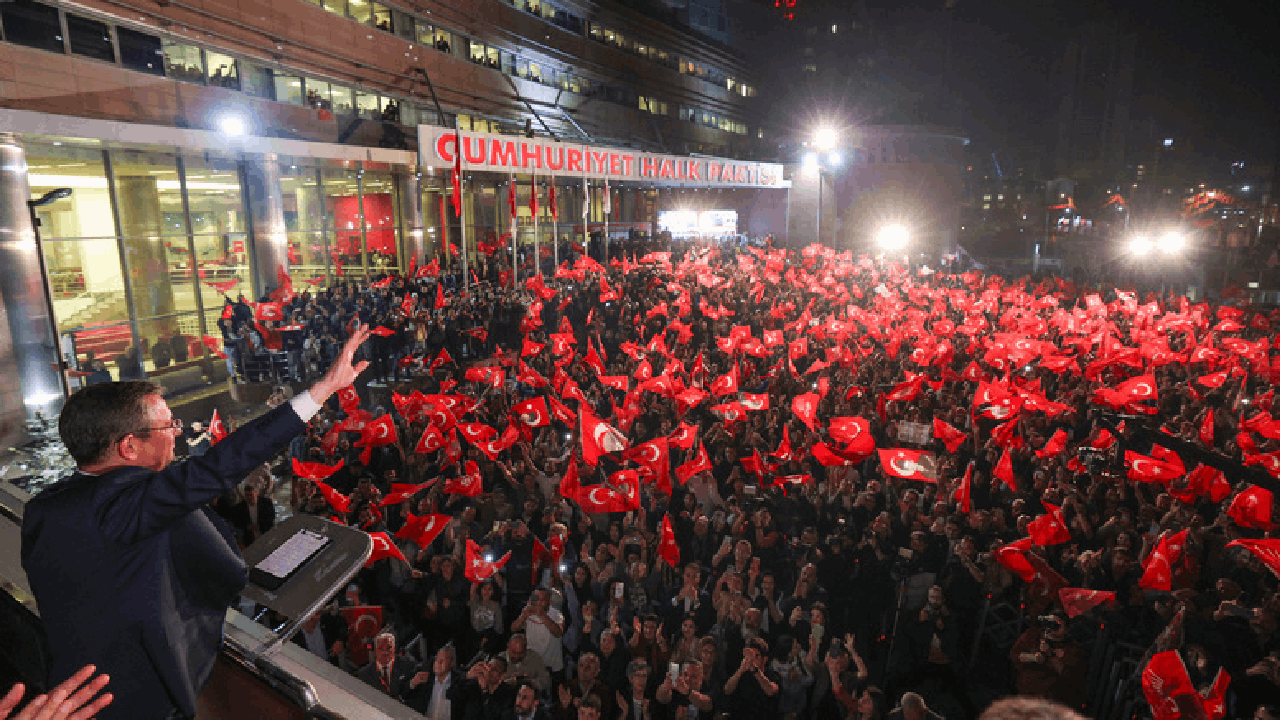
column 232, row 125
column 834, row 159
column 810, row 162
column 1172, row 243
column 1140, row 246
column 824, row 138
column 893, row 237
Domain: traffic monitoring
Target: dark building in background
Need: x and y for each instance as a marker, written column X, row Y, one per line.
column 1093, row 118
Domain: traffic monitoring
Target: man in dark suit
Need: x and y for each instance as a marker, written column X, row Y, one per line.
column 131, row 571
column 439, row 692
column 526, row 706
column 386, row 672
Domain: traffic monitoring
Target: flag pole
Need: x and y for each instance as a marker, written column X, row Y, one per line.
column 533, row 189
column 515, row 232
column 608, row 210
column 555, row 234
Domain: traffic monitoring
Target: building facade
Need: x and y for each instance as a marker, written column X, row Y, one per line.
column 208, row 147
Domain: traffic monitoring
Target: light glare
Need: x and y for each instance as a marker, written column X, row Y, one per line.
column 232, row 125
column 893, row 237
column 825, row 138
column 1172, row 243
column 1140, row 246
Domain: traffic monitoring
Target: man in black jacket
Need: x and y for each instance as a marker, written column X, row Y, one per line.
column 439, row 692
column 131, row 570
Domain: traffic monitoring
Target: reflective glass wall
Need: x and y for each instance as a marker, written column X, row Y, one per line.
column 143, row 253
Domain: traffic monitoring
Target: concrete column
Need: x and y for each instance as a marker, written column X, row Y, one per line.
column 141, row 223
column 28, row 336
column 269, row 246
column 412, row 228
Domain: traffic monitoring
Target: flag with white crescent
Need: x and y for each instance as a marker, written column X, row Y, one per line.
column 909, row 464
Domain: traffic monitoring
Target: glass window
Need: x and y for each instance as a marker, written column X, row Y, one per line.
column 425, row 34
column 139, row 51
column 368, row 106
column 521, row 67
column 343, row 99
column 597, row 32
column 410, row 114
column 443, row 40
column 535, row 72
column 183, row 62
column 380, row 212
column 360, row 10
column 382, row 18
column 342, row 208
column 32, row 24
column 90, row 38
column 477, row 52
column 338, row 7
column 218, row 221
column 256, row 80
column 406, row 25
column 288, row 89
column 305, row 220
column 222, row 70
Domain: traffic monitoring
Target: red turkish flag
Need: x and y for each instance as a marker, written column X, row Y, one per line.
column 1049, row 529
column 401, row 492
column 270, row 312
column 600, row 499
column 599, row 438
column 784, row 452
column 652, row 455
column 1013, row 556
column 965, row 490
column 699, row 463
column 532, row 412
column 569, row 483
column 854, row 433
column 667, row 548
column 1078, row 601
column 805, row 407
column 529, row 348
column 755, row 401
column 313, row 470
column 684, row 435
column 1157, row 570
column 336, row 500
column 830, row 456
column 1213, row 380
column 381, row 431
column 469, row 484
column 217, row 430
column 1055, row 446
column 562, row 412
column 476, row 432
column 909, row 464
column 478, row 569
column 1268, row 551
column 423, row 529
column 1137, row 395
column 1148, row 469
column 382, row 331
column 348, row 398
column 1004, row 470
column 1163, row 681
column 1252, row 508
column 950, row 436
column 727, row 383
column 383, row 548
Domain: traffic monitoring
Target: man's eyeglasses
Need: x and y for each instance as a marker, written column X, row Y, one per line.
column 174, row 424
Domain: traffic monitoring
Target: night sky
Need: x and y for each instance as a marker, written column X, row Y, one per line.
column 1206, row 73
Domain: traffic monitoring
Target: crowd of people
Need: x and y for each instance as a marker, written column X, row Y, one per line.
column 761, row 483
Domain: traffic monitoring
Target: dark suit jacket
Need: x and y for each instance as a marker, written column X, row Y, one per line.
column 239, row 517
column 419, row 698
column 133, row 575
column 402, row 671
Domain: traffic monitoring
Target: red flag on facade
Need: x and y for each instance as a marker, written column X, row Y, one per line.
column 551, row 201
column 511, row 197
column 457, row 173
column 667, row 548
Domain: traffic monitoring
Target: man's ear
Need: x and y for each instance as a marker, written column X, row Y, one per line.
column 127, row 447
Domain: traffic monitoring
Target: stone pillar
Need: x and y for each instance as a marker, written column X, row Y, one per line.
column 141, row 223
column 269, row 246
column 28, row 336
column 412, row 228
